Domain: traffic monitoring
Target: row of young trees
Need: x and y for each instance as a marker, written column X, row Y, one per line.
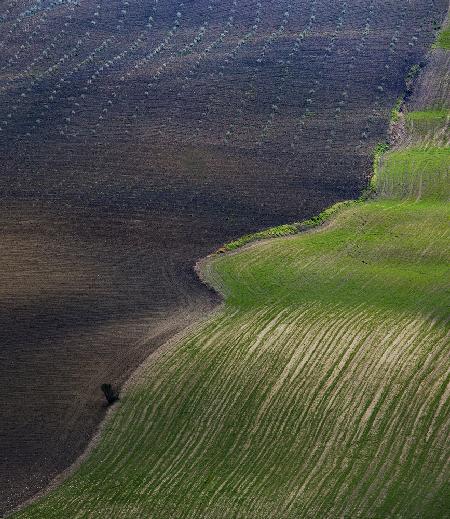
column 30, row 80
column 207, row 113
column 202, row 58
column 317, row 79
column 31, row 34
column 148, row 61
column 38, row 8
column 133, row 68
column 251, row 87
column 65, row 78
column 40, row 78
column 135, row 61
column 286, row 65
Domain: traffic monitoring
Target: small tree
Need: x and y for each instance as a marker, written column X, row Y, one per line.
column 110, row 394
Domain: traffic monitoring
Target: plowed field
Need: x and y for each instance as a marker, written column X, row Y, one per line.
column 137, row 136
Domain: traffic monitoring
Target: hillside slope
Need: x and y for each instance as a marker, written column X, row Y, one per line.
column 137, row 136
column 321, row 390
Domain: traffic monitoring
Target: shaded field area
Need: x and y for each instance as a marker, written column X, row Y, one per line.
column 136, row 137
column 321, row 390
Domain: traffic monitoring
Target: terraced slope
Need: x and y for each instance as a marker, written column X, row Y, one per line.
column 321, row 390
column 137, row 136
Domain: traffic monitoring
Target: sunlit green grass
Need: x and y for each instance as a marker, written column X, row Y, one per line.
column 289, row 229
column 443, row 39
column 438, row 116
column 415, row 174
column 429, row 127
column 375, row 245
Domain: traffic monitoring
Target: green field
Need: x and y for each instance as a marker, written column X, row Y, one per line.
column 320, row 390
column 443, row 39
column 430, row 127
column 415, row 174
column 438, row 116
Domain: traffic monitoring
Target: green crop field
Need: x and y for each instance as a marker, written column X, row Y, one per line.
column 438, row 115
column 431, row 127
column 415, row 173
column 443, row 39
column 320, row 390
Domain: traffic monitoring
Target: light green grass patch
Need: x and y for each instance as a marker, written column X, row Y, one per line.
column 443, row 39
column 374, row 245
column 429, row 126
column 415, row 174
column 290, row 229
column 434, row 116
column 395, row 112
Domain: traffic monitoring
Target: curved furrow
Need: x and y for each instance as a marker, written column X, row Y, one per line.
column 325, row 441
column 33, row 11
column 303, row 421
column 321, row 388
column 308, row 341
column 308, row 333
column 379, row 409
column 218, row 374
column 238, row 441
column 300, row 125
column 324, row 485
column 315, row 343
column 285, row 67
column 322, row 489
column 214, row 333
column 251, row 85
column 403, row 410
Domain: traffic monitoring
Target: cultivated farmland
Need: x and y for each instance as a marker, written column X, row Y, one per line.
column 137, row 136
column 321, row 390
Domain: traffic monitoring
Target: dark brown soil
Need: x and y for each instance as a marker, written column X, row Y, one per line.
column 130, row 151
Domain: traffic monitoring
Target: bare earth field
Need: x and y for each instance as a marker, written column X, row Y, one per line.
column 137, row 137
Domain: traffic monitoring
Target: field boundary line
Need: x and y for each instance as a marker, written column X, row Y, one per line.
column 133, row 379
